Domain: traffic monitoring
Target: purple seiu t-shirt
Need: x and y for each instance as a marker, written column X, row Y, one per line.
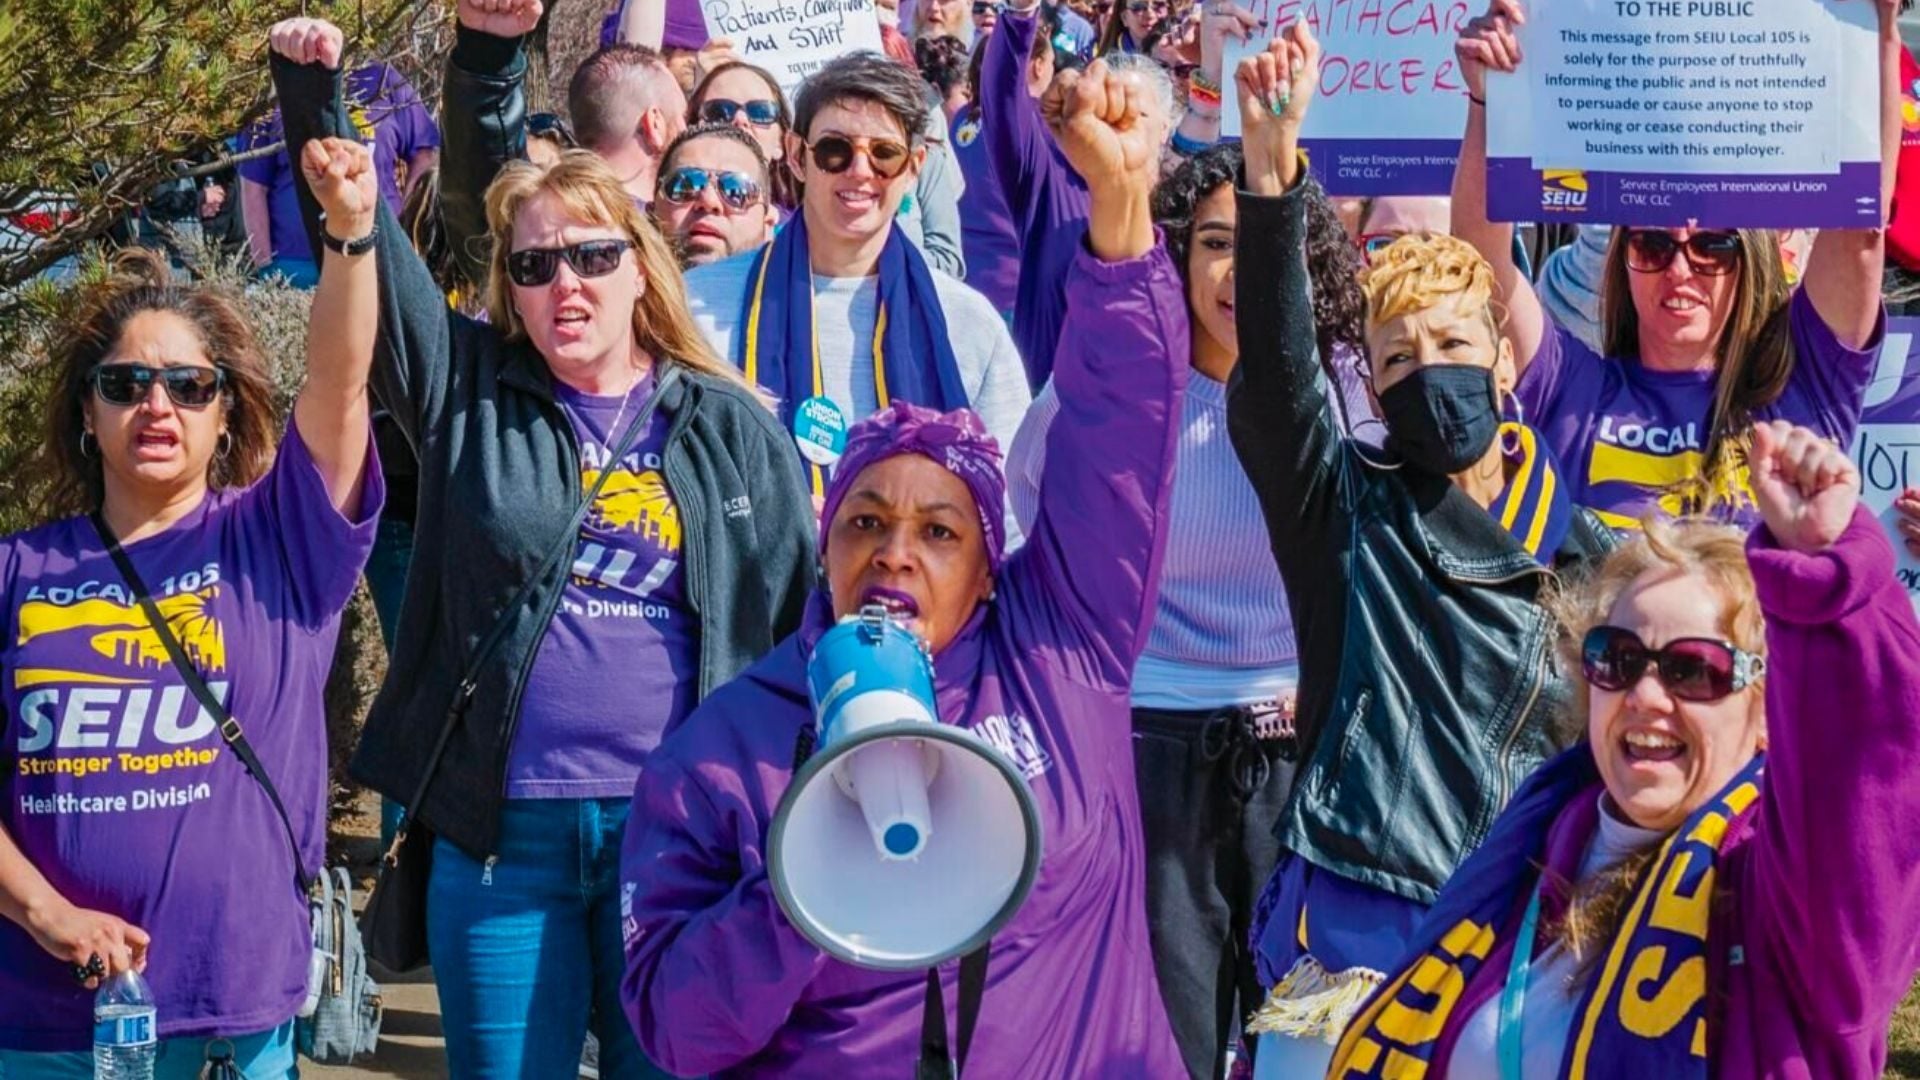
column 987, row 236
column 621, row 660
column 115, row 782
column 386, row 112
column 1625, row 435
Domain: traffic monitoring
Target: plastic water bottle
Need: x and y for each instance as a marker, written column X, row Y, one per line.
column 123, row 1029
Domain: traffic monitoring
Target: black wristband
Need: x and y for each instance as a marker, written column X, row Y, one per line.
column 357, row 246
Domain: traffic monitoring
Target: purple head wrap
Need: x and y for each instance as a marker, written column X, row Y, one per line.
column 957, row 441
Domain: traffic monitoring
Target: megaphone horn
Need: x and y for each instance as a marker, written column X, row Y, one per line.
column 925, row 841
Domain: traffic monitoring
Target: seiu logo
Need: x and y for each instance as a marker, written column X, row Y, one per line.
column 95, row 717
column 1655, row 440
column 1563, row 189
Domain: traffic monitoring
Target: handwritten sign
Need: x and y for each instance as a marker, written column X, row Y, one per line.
column 1726, row 113
column 793, row 38
column 1391, row 104
column 1887, row 448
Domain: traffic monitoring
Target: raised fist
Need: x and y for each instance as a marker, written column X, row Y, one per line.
column 308, row 41
column 501, row 18
column 341, row 174
column 1276, row 85
column 1490, row 43
column 1111, row 126
column 1806, row 486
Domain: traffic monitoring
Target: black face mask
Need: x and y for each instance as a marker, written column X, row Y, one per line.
column 1442, row 418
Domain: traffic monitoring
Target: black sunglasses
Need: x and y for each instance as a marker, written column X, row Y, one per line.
column 188, row 386
column 986, row 7
column 549, row 126
column 1141, row 6
column 685, row 184
column 1692, row 669
column 532, row 267
column 761, row 112
column 1713, row 254
column 834, row 154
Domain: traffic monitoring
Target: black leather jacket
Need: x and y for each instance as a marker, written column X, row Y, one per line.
column 1428, row 687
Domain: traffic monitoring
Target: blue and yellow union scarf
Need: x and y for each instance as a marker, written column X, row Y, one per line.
column 1645, row 1014
column 912, row 351
column 1535, row 506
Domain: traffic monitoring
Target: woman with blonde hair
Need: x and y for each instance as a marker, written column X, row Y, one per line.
column 549, row 638
column 1413, row 576
column 1702, row 333
column 1721, row 880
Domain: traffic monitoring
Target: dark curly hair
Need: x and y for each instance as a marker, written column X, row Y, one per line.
column 1333, row 264
column 70, row 477
column 943, row 62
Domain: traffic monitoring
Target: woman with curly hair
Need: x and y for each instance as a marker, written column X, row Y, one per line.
column 1213, row 693
column 137, row 827
column 1414, row 576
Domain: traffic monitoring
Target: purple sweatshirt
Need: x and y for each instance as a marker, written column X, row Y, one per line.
column 987, row 235
column 1821, row 886
column 1047, row 198
column 718, row 981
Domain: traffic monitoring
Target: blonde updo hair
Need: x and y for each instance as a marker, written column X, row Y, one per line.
column 590, row 192
column 1420, row 270
column 1716, row 555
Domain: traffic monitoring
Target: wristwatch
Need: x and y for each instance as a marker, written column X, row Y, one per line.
column 358, row 246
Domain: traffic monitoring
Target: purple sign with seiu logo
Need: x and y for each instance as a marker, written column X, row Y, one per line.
column 1518, row 191
column 1887, row 448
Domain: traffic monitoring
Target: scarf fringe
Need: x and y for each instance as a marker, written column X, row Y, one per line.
column 1312, row 1002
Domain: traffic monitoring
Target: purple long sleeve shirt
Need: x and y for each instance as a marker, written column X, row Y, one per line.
column 1821, row 886
column 718, row 981
column 1047, row 198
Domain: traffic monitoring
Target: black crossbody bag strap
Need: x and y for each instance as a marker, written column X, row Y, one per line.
column 463, row 695
column 229, row 726
column 937, row 1062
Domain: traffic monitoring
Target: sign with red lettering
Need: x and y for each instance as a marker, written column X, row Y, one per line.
column 1391, row 104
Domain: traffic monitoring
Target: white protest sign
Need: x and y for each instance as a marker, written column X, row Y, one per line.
column 1388, row 83
column 1691, row 87
column 793, row 38
column 1887, row 448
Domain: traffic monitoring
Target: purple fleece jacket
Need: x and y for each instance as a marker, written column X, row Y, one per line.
column 718, row 981
column 1821, row 886
column 1048, row 199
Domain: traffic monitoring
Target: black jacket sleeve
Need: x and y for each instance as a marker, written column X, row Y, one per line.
column 483, row 126
column 412, row 353
column 1278, row 400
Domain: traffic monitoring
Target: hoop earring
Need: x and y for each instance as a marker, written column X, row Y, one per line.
column 85, row 438
column 226, row 445
column 1509, row 438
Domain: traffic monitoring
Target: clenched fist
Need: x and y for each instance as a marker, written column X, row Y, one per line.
column 1111, row 126
column 1806, row 485
column 308, row 41
column 501, row 18
column 341, row 174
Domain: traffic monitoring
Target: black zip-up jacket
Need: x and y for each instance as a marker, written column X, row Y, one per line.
column 499, row 480
column 1428, row 688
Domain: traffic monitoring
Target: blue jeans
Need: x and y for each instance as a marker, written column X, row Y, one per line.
column 265, row 1055
column 527, row 953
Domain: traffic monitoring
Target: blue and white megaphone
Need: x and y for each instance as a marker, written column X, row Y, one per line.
column 902, row 842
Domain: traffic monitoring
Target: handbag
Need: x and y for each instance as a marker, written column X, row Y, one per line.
column 343, row 1002
column 395, row 923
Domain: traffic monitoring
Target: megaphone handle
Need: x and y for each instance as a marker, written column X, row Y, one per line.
column 936, row 1061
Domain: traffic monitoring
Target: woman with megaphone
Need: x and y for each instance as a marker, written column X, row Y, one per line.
column 1031, row 652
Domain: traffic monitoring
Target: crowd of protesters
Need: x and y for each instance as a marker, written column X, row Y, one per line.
column 1382, row 718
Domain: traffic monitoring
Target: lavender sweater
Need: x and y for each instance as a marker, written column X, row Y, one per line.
column 718, row 981
column 1821, row 886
